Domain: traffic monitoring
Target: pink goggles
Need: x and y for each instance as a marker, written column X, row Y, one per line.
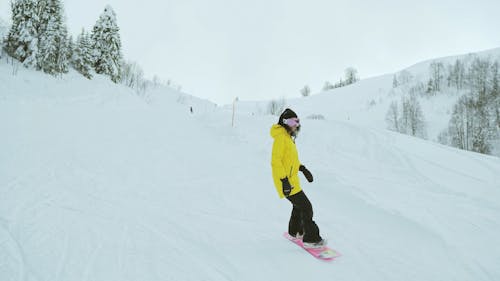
column 292, row 122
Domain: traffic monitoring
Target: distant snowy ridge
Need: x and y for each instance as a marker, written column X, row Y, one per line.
column 422, row 68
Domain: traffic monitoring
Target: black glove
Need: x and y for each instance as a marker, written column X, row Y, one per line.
column 306, row 173
column 287, row 188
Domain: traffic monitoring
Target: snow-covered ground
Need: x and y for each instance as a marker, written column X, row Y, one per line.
column 97, row 184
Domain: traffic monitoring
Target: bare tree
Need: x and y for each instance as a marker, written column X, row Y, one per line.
column 437, row 76
column 392, row 117
column 275, row 107
column 456, row 76
column 327, row 86
column 405, row 77
column 469, row 127
column 409, row 119
column 132, row 74
column 416, row 117
column 395, row 82
column 477, row 76
column 495, row 96
column 306, row 91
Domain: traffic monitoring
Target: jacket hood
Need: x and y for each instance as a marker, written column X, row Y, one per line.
column 288, row 113
column 277, row 130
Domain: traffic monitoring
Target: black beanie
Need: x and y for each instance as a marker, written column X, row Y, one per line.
column 288, row 113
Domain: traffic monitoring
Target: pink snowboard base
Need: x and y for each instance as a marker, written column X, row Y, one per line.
column 323, row 253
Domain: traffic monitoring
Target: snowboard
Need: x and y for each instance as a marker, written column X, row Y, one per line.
column 323, row 253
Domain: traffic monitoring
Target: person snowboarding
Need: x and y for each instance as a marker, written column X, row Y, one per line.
column 285, row 168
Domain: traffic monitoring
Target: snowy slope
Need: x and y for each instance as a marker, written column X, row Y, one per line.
column 367, row 101
column 96, row 184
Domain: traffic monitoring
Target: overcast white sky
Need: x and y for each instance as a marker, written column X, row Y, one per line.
column 262, row 49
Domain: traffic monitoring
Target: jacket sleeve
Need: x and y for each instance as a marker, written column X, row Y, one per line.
column 277, row 157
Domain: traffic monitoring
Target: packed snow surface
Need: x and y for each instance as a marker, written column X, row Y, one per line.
column 97, row 184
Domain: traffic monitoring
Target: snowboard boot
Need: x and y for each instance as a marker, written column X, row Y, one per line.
column 297, row 235
column 315, row 245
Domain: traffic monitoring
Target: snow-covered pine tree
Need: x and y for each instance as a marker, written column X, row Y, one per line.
column 62, row 65
column 351, row 75
column 71, row 46
column 82, row 55
column 107, row 45
column 52, row 56
column 22, row 40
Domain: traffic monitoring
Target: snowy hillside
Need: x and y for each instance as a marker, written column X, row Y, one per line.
column 97, row 184
column 367, row 101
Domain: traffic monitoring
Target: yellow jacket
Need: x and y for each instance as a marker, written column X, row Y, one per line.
column 285, row 160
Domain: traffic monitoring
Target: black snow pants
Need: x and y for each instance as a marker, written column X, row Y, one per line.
column 301, row 220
